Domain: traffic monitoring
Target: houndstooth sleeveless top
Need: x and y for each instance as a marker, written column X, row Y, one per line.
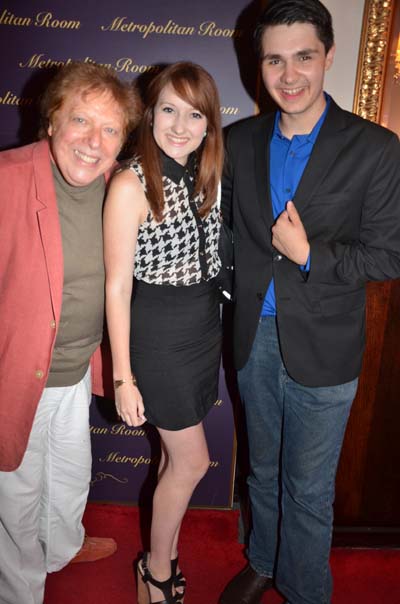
column 168, row 252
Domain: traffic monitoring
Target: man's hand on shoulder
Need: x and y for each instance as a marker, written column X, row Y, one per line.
column 289, row 236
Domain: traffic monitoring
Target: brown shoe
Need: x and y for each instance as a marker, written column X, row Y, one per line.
column 95, row 548
column 246, row 588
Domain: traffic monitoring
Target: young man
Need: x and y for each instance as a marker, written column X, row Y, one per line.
column 51, row 305
column 314, row 196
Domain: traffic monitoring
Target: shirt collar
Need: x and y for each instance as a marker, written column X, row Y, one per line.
column 312, row 136
column 175, row 171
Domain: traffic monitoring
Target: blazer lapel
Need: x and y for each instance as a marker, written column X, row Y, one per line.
column 329, row 142
column 261, row 140
column 49, row 224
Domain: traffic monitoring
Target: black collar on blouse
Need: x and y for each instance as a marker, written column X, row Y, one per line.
column 175, row 171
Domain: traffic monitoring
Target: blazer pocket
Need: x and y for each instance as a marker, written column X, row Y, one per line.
column 337, row 305
column 330, row 198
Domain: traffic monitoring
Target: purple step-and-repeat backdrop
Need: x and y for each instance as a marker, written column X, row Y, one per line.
column 133, row 38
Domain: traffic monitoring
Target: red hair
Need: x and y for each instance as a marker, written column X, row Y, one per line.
column 197, row 88
column 83, row 78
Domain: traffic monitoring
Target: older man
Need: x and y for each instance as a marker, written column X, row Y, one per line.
column 51, row 305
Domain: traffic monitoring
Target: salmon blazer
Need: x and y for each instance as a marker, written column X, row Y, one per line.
column 31, row 285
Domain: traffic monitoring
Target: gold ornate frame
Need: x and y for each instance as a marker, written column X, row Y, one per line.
column 373, row 56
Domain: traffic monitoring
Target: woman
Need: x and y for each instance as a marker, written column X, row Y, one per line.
column 161, row 226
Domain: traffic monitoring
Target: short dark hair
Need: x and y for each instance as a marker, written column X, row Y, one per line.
column 288, row 12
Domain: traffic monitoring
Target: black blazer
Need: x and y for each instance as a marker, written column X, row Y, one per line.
column 349, row 202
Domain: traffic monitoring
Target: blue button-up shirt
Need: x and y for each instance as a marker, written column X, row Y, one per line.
column 288, row 159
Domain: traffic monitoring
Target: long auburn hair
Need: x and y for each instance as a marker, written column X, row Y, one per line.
column 197, row 88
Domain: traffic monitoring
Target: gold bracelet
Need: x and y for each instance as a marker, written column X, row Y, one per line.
column 118, row 383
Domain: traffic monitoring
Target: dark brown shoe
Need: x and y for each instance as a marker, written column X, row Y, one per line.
column 246, row 588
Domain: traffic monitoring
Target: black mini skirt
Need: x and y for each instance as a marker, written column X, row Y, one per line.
column 175, row 348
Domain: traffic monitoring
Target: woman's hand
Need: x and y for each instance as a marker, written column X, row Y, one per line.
column 125, row 209
column 129, row 404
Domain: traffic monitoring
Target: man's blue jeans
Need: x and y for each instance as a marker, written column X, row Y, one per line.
column 295, row 437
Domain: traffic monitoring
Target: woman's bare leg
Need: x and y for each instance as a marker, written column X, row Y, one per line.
column 184, row 461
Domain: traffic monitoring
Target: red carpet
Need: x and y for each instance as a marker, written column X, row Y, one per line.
column 210, row 557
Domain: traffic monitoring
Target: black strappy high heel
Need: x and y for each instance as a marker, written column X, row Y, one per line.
column 178, row 579
column 144, row 578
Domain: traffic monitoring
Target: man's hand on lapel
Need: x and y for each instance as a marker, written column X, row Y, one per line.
column 289, row 236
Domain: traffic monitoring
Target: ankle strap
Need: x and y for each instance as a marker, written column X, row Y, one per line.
column 148, row 577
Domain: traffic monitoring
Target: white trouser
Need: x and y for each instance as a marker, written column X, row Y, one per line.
column 42, row 502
